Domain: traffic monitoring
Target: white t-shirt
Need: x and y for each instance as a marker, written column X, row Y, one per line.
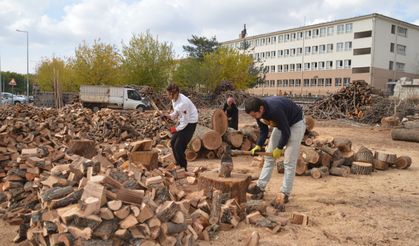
column 185, row 111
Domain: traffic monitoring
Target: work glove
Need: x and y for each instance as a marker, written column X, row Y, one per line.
column 277, row 153
column 172, row 130
column 255, row 149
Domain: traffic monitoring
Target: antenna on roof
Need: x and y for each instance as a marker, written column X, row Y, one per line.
column 243, row 32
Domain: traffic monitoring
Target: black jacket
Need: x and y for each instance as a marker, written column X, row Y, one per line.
column 232, row 115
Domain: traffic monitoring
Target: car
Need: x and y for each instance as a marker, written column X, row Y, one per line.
column 9, row 98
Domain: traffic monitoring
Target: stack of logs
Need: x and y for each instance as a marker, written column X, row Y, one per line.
column 324, row 155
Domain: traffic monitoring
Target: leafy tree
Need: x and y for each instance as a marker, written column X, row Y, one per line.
column 96, row 65
column 146, row 61
column 20, row 79
column 188, row 73
column 55, row 69
column 200, row 46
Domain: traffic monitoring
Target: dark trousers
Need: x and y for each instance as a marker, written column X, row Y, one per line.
column 180, row 141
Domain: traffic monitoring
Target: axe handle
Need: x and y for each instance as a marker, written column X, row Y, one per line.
column 244, row 152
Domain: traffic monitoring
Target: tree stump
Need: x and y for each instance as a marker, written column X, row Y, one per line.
column 364, row 155
column 211, row 139
column 361, row 168
column 219, row 121
column 403, row 162
column 411, row 135
column 236, row 185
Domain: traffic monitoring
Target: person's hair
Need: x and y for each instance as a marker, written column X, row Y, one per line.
column 172, row 88
column 253, row 104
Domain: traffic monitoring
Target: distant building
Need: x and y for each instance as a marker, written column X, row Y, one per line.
column 319, row 59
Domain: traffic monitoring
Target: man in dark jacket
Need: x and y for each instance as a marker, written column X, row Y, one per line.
column 232, row 112
column 286, row 118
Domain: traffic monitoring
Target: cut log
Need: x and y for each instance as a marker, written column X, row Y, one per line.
column 115, row 205
column 170, row 228
column 301, row 167
column 226, row 165
column 390, row 121
column 190, row 155
column 343, row 144
column 246, row 144
column 211, row 139
column 166, row 211
column 325, row 159
column 252, row 132
column 85, row 148
column 219, row 121
column 215, row 207
column 315, row 173
column 142, row 145
column 410, row 135
column 348, row 157
column 379, row 165
column 364, row 155
column 253, row 240
column 309, row 154
column 236, row 185
column 310, row 122
column 403, row 162
column 209, row 154
column 324, row 170
column 381, row 156
column 391, row 159
column 195, row 144
column 339, row 171
column 362, row 168
column 233, row 137
column 299, row 218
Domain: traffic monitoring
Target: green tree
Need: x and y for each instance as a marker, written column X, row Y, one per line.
column 199, row 46
column 55, row 69
column 20, row 80
column 96, row 65
column 146, row 61
column 188, row 73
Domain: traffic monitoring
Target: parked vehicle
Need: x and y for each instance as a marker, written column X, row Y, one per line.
column 97, row 97
column 9, row 98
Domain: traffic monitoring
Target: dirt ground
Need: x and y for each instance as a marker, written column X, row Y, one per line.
column 381, row 209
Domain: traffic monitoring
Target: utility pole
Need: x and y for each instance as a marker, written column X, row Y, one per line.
column 27, row 61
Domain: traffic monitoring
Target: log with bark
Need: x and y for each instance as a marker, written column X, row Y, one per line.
column 211, row 139
column 362, row 168
column 410, row 135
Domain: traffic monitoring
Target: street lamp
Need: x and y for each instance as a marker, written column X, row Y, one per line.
column 27, row 61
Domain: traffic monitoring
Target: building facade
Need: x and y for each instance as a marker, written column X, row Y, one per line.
column 321, row 58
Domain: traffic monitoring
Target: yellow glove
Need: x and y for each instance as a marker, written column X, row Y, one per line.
column 255, row 149
column 277, row 153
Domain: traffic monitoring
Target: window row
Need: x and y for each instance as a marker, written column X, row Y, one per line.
column 399, row 66
column 401, row 49
column 316, row 49
column 401, row 31
column 321, row 65
column 307, row 82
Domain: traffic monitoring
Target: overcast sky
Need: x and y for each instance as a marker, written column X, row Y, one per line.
column 57, row 27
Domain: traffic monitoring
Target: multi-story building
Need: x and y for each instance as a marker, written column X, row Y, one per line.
column 321, row 58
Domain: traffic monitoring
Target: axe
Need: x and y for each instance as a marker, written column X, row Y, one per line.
column 244, row 152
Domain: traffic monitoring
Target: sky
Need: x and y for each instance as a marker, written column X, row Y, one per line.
column 56, row 27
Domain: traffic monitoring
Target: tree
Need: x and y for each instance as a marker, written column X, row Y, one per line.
column 200, row 46
column 55, row 69
column 146, row 61
column 20, row 79
column 96, row 65
column 188, row 73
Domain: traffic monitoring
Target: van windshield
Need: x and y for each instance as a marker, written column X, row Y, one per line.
column 134, row 95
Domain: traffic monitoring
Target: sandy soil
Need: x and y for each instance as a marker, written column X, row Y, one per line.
column 381, row 209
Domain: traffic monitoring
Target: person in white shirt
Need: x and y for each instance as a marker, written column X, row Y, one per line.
column 186, row 115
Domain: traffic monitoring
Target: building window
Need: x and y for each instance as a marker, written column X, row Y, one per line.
column 338, row 81
column 339, row 47
column 361, row 70
column 330, row 30
column 315, row 33
column 339, row 64
column 279, row 68
column 274, row 40
column 279, row 83
column 280, row 38
column 266, row 69
column 268, row 54
column 321, row 65
column 293, row 36
column 285, row 82
column 400, row 66
column 390, row 65
column 329, row 48
column 346, row 81
column 401, row 31
column 401, row 49
column 340, row 29
column 273, row 69
column 328, row 82
column 299, row 51
column 300, row 35
column 391, row 47
column 314, row 66
column 272, row 83
column 292, row 67
column 298, row 67
column 320, row 82
column 297, row 82
column 348, row 46
column 307, row 50
column 273, row 54
column 287, row 38
column 362, row 51
column 313, row 82
column 306, row 82
column 292, row 52
column 286, row 52
column 291, row 83
column 393, row 29
column 322, row 49
column 285, row 68
column 280, row 53
column 306, row 66
column 329, row 64
column 308, row 34
column 322, row 32
column 347, row 63
column 364, row 34
column 348, row 28
column 314, row 49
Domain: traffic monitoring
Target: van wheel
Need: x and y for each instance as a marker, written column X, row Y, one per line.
column 95, row 109
column 17, row 102
column 140, row 108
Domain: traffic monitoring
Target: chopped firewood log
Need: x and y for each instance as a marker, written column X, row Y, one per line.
column 343, row 144
column 166, row 211
column 145, row 213
column 122, row 213
column 170, row 228
column 130, row 196
column 233, row 137
column 106, row 213
column 178, row 218
column 254, row 205
column 211, row 139
column 364, row 155
column 379, row 165
column 403, row 162
column 339, row 171
column 142, row 145
column 315, row 173
column 253, row 240
column 115, row 205
column 309, row 155
column 128, row 222
column 153, row 180
column 299, row 218
column 301, row 167
column 215, row 207
column 86, row 233
column 310, row 122
column 362, row 168
column 85, row 148
column 148, row 159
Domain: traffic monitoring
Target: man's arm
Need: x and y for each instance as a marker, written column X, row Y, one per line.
column 281, row 121
column 264, row 131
